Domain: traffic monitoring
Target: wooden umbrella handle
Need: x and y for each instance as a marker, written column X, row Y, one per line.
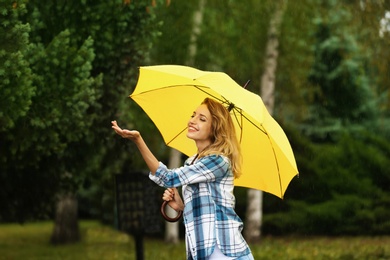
column 167, row 218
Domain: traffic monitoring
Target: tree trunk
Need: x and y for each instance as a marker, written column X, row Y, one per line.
column 196, row 30
column 66, row 227
column 172, row 229
column 254, row 213
column 268, row 78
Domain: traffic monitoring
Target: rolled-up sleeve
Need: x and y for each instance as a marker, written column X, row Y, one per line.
column 206, row 169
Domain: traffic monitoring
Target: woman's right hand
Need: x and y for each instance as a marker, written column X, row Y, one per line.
column 174, row 200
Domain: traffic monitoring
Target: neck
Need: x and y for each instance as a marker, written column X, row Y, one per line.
column 202, row 146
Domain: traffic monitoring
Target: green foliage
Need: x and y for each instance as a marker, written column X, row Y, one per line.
column 35, row 153
column 65, row 93
column 67, row 68
column 343, row 94
column 172, row 47
column 16, row 84
column 342, row 189
column 294, row 62
column 343, row 153
column 344, row 88
column 234, row 39
column 340, row 215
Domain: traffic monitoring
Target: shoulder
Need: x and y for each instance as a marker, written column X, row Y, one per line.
column 215, row 160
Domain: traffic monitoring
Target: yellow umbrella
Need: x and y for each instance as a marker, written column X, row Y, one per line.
column 170, row 93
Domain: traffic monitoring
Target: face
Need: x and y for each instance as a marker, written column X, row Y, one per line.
column 199, row 126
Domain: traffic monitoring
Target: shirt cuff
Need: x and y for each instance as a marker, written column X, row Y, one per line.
column 156, row 177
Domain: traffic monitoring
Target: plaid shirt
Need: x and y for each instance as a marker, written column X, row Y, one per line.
column 209, row 215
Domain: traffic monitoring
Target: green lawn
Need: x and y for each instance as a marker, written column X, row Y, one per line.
column 31, row 241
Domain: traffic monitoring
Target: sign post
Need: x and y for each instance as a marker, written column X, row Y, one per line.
column 138, row 209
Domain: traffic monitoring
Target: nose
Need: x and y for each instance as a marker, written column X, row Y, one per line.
column 192, row 120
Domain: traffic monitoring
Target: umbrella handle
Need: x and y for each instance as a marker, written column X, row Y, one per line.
column 162, row 210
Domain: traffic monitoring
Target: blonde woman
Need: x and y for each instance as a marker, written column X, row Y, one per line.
column 213, row 229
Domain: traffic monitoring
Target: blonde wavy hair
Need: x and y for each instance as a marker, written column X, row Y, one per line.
column 223, row 136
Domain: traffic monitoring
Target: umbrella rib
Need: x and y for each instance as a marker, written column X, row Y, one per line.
column 174, row 86
column 276, row 160
column 242, row 115
column 239, row 122
column 215, row 97
column 177, row 135
column 268, row 136
column 277, row 165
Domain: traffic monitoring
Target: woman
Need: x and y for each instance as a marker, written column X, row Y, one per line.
column 213, row 229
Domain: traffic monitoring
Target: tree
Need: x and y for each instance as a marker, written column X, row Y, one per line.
column 16, row 84
column 44, row 137
column 374, row 39
column 344, row 97
column 255, row 197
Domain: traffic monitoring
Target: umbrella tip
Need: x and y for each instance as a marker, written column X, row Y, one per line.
column 247, row 83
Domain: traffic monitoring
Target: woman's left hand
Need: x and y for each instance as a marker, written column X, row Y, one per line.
column 174, row 200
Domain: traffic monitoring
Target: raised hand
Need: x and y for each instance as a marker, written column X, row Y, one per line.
column 128, row 134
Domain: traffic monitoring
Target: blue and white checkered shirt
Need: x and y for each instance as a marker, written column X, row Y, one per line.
column 209, row 215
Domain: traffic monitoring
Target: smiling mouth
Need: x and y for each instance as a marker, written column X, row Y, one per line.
column 192, row 129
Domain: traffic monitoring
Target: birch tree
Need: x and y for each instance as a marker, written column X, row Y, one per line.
column 267, row 89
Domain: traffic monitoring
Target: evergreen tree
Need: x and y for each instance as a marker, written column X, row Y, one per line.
column 343, row 95
column 16, row 84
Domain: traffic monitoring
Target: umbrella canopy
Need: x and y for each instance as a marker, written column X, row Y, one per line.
column 170, row 93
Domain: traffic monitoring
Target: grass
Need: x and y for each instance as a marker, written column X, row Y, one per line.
column 31, row 241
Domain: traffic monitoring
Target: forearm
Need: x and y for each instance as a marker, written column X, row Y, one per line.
column 150, row 160
column 180, row 204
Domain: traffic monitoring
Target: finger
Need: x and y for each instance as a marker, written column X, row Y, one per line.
column 166, row 198
column 115, row 125
column 167, row 193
